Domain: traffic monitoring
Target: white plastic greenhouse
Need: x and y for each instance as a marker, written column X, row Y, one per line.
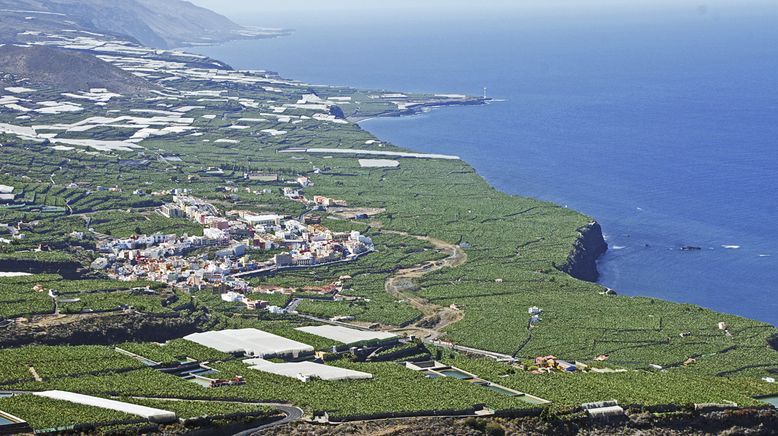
column 306, row 370
column 251, row 341
column 344, row 334
column 149, row 413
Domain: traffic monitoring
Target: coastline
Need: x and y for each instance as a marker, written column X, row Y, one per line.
column 581, row 263
column 245, row 33
column 585, row 252
column 597, row 117
column 422, row 108
column 460, row 259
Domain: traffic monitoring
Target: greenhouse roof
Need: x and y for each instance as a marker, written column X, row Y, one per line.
column 251, row 341
column 344, row 334
column 154, row 415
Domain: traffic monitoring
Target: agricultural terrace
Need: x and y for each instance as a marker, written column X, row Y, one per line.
column 455, row 260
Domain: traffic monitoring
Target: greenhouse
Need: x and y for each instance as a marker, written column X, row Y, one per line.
column 149, row 413
column 306, row 371
column 10, row 424
column 346, row 335
column 253, row 342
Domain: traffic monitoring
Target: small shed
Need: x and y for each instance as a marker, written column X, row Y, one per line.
column 606, row 413
column 604, row 410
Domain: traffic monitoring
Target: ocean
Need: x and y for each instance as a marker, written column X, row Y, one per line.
column 660, row 120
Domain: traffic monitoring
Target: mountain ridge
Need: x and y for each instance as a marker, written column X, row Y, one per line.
column 69, row 70
column 154, row 23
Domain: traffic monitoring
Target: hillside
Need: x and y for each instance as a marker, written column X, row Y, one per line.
column 241, row 204
column 68, row 70
column 160, row 24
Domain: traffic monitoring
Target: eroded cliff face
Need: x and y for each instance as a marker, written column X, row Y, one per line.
column 582, row 261
column 773, row 341
column 68, row 270
column 100, row 330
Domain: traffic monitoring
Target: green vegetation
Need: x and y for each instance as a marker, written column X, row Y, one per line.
column 54, row 362
column 393, row 389
column 123, row 225
column 28, row 295
column 199, row 409
column 55, row 414
column 514, row 249
column 173, row 351
column 636, row 387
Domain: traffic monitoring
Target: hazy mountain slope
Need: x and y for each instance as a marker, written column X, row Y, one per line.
column 154, row 23
column 68, row 70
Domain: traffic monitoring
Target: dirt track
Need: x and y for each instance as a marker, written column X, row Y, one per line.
column 402, row 283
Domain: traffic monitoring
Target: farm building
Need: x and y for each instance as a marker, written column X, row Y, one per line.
column 149, row 413
column 604, row 410
column 261, row 177
column 346, row 335
column 253, row 342
column 306, row 371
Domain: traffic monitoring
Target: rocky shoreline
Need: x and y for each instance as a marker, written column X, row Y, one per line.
column 587, row 249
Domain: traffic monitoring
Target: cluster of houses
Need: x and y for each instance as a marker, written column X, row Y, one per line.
column 252, row 297
column 223, row 250
column 551, row 364
column 15, row 231
column 319, row 201
column 237, row 297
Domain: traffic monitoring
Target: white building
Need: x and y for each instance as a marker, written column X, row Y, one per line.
column 263, row 220
column 233, row 297
column 253, row 342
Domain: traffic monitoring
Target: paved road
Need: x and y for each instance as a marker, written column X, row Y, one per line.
column 292, row 306
column 292, row 414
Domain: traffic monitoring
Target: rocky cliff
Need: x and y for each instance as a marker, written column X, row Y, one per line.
column 100, row 329
column 582, row 261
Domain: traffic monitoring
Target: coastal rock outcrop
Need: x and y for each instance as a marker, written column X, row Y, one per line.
column 582, row 261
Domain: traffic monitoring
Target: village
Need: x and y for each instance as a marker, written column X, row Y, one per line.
column 230, row 250
column 197, row 194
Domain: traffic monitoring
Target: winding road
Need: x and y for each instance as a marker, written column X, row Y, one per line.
column 292, row 413
column 402, row 283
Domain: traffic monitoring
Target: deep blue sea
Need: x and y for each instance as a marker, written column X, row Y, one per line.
column 658, row 119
